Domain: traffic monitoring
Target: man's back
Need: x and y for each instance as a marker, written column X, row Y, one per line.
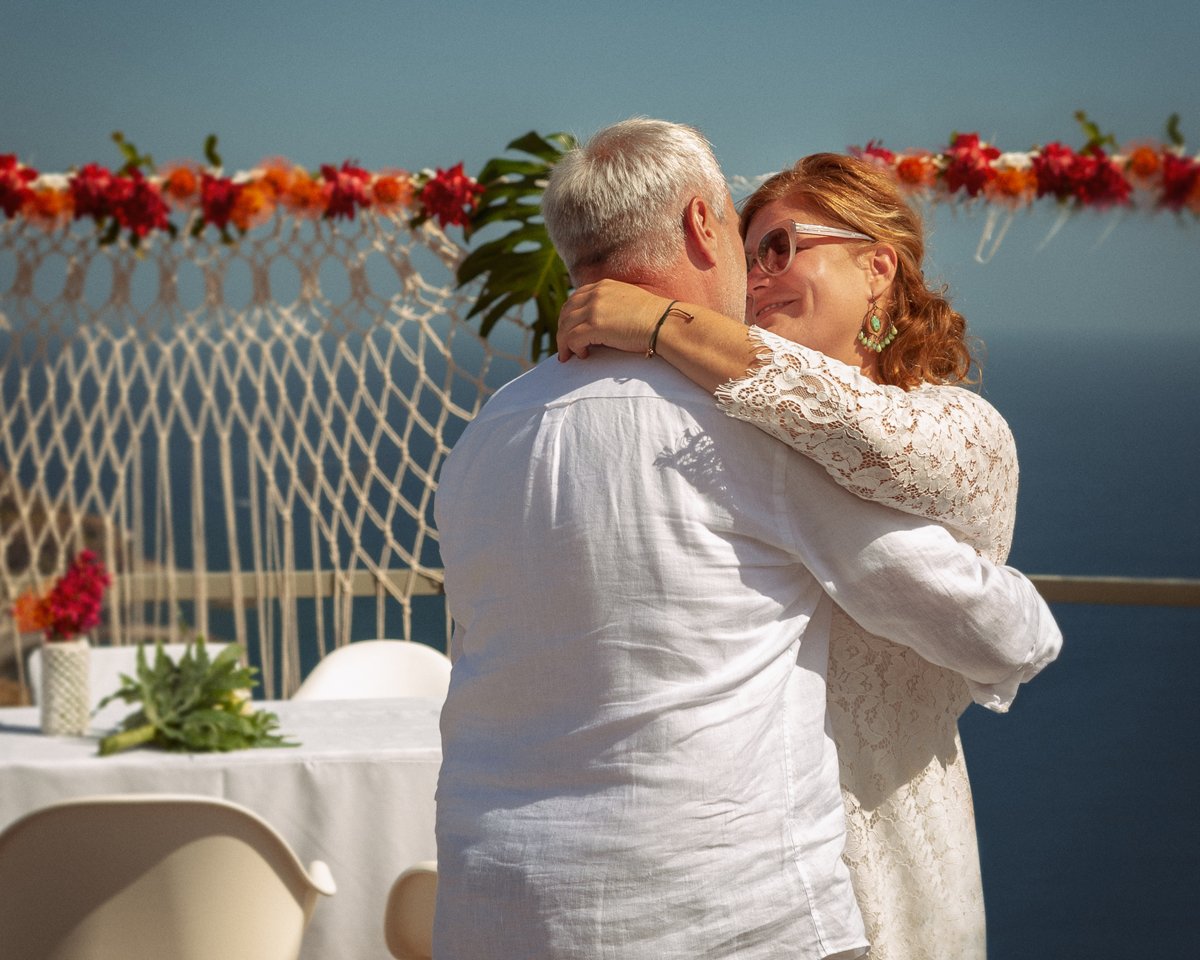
column 633, row 767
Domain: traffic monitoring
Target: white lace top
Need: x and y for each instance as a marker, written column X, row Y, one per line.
column 943, row 453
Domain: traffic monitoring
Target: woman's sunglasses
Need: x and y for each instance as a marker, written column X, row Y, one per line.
column 778, row 245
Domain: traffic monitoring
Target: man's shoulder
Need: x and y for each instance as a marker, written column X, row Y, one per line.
column 606, row 374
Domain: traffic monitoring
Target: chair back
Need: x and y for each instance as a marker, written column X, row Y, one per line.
column 408, row 920
column 367, row 669
column 105, row 666
column 144, row 877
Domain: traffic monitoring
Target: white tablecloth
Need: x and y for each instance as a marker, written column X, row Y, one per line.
column 357, row 793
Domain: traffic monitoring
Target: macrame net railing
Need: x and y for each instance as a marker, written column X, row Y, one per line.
column 248, row 434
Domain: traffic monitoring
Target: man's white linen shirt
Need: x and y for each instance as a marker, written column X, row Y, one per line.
column 635, row 757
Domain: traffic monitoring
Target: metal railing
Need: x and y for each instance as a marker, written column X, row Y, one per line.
column 219, row 586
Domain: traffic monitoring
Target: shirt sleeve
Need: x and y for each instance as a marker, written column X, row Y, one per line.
column 938, row 452
column 910, row 581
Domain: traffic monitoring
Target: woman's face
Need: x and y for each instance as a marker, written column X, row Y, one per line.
column 821, row 299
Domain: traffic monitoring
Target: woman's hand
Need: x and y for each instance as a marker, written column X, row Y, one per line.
column 608, row 313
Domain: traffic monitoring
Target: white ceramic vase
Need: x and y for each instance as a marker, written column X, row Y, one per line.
column 65, row 699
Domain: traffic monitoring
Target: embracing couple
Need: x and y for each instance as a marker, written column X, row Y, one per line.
column 707, row 672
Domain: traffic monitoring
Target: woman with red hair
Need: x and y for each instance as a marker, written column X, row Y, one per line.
column 851, row 358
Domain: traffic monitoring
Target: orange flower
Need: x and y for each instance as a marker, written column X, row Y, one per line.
column 181, row 184
column 391, row 191
column 32, row 612
column 253, row 206
column 305, row 196
column 1143, row 162
column 50, row 207
column 916, row 169
column 277, row 176
column 1017, row 184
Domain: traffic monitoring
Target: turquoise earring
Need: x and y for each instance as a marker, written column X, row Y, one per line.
column 872, row 335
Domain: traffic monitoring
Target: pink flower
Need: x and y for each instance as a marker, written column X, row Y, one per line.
column 450, row 196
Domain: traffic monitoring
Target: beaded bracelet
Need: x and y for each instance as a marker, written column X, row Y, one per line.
column 650, row 351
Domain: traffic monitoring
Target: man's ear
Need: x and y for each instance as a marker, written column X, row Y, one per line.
column 881, row 268
column 701, row 233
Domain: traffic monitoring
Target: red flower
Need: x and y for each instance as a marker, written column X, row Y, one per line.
column 349, row 189
column 450, row 196
column 139, row 207
column 970, row 164
column 217, row 198
column 14, row 184
column 1105, row 183
column 1091, row 178
column 1054, row 166
column 91, row 190
column 1180, row 179
column 874, row 151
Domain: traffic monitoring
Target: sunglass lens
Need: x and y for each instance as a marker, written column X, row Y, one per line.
column 775, row 250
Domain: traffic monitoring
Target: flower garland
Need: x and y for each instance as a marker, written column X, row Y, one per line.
column 1158, row 175
column 138, row 200
column 139, row 203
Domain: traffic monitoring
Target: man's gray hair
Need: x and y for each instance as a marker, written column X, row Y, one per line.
column 618, row 200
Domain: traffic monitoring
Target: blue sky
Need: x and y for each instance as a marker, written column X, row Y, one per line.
column 429, row 83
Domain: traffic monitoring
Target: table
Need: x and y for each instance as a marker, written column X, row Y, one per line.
column 357, row 793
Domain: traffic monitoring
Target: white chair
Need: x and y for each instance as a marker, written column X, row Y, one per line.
column 144, row 877
column 105, row 666
column 378, row 668
column 408, row 919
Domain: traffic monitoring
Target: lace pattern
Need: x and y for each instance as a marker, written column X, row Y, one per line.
column 945, row 454
column 939, row 452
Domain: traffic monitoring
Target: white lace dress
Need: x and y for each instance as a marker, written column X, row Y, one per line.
column 942, row 453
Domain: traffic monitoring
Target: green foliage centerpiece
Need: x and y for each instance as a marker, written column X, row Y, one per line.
column 195, row 704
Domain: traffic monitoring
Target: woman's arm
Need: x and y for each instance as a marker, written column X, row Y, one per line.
column 707, row 347
column 938, row 452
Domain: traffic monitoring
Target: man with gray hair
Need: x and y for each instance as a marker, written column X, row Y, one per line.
column 635, row 762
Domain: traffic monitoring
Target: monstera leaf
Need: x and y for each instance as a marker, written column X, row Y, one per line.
column 521, row 265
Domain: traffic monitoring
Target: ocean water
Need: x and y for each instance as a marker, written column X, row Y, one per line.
column 1085, row 791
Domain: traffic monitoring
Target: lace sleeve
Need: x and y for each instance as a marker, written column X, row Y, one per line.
column 939, row 452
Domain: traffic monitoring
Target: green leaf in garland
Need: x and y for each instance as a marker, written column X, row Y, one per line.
column 133, row 159
column 1095, row 139
column 521, row 265
column 1173, row 132
column 210, row 151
